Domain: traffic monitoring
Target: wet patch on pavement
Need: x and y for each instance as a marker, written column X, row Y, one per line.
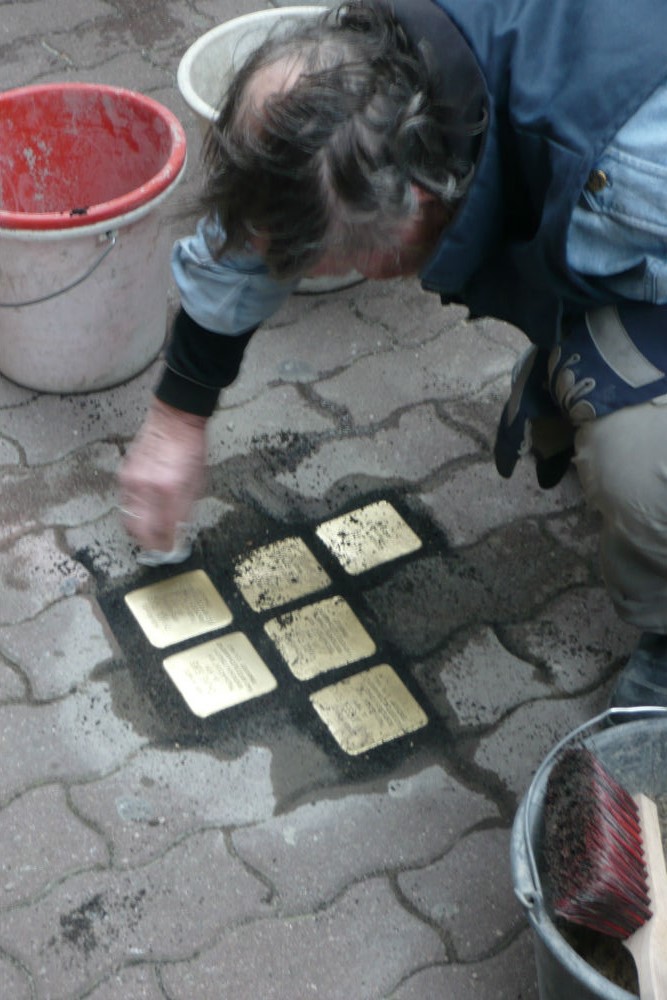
column 406, row 608
column 145, row 694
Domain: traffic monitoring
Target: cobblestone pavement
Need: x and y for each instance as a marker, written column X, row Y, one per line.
column 145, row 853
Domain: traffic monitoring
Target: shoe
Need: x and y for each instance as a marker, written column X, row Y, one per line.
column 643, row 680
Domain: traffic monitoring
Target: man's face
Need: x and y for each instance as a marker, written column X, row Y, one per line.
column 375, row 265
column 417, row 240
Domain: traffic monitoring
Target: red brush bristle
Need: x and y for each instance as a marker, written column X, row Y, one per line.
column 593, row 847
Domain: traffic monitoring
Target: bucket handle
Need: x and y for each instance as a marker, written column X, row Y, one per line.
column 532, row 896
column 111, row 237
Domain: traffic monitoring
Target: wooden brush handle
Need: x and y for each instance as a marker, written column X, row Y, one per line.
column 648, row 945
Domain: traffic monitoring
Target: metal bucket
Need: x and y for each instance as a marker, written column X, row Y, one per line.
column 636, row 754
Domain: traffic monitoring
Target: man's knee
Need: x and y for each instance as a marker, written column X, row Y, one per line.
column 622, row 463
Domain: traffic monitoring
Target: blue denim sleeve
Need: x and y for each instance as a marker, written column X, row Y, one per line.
column 231, row 294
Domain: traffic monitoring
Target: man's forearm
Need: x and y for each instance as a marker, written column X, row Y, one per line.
column 199, row 364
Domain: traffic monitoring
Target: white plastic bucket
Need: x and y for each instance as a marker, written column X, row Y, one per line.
column 84, row 273
column 205, row 71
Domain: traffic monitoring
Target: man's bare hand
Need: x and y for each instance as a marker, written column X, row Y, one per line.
column 162, row 475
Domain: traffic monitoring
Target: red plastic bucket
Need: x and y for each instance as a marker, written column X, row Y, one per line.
column 83, row 282
column 73, row 154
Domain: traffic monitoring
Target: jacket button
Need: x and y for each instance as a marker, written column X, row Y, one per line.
column 597, row 181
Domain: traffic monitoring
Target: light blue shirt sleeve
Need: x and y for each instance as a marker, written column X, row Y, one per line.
column 231, row 294
column 618, row 231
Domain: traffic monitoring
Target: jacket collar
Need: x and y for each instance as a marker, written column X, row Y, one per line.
column 458, row 81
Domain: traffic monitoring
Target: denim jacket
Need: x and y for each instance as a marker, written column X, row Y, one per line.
column 615, row 243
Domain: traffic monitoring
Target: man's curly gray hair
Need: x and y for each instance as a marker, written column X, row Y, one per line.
column 329, row 160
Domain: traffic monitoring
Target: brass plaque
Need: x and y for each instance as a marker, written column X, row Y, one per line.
column 367, row 537
column 369, row 709
column 219, row 674
column 279, row 573
column 320, row 637
column 178, row 608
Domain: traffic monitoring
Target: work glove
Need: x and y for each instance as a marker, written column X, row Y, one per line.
column 532, row 423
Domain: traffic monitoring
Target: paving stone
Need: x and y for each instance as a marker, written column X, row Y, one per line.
column 577, row 638
column 40, row 16
column 105, row 546
column 224, row 10
column 92, row 923
column 508, row 976
column 502, row 333
column 478, row 911
column 361, row 946
column 16, row 56
column 100, row 62
column 14, row 982
column 287, row 350
column 15, row 528
column 98, row 46
column 517, row 747
column 134, row 983
column 9, row 453
column 42, row 842
column 483, row 680
column 159, row 796
column 401, row 313
column 411, row 450
column 579, row 531
column 265, row 423
column 440, row 369
column 12, row 394
column 508, row 576
column 351, row 324
column 131, row 26
column 297, row 3
column 35, row 572
column 47, row 427
column 415, row 821
column 65, row 643
column 13, row 686
column 473, row 501
column 73, row 739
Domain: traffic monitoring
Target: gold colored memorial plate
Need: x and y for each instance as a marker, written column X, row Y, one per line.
column 279, row 573
column 320, row 637
column 178, row 608
column 219, row 674
column 368, row 537
column 368, row 709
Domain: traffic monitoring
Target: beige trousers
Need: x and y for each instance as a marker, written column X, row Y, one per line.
column 622, row 464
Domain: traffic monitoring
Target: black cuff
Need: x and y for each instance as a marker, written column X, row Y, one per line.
column 199, row 364
column 181, row 393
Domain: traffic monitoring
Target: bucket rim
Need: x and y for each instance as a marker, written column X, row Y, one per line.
column 184, row 72
column 101, row 229
column 123, row 205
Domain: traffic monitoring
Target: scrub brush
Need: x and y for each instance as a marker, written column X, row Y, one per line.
column 605, row 864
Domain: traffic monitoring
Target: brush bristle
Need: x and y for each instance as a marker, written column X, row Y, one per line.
column 593, row 847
